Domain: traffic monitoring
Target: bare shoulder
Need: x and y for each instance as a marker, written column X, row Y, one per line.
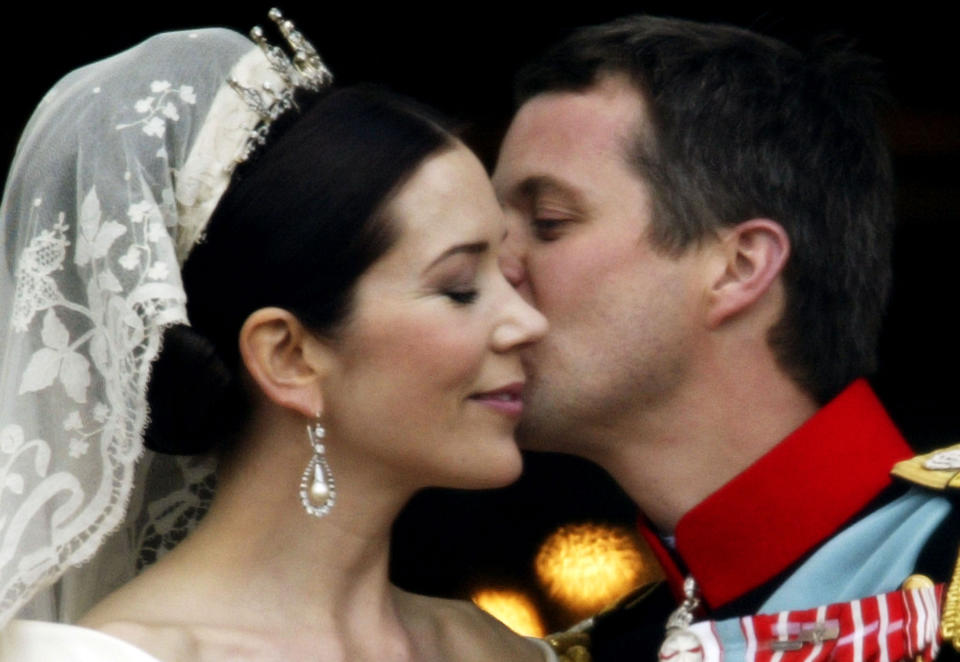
column 176, row 637
column 128, row 614
column 461, row 631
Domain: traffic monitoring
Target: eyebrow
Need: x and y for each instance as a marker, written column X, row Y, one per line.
column 535, row 185
column 474, row 248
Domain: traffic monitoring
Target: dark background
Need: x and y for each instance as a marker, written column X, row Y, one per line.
column 461, row 60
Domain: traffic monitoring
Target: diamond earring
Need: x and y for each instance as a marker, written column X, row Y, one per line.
column 317, row 491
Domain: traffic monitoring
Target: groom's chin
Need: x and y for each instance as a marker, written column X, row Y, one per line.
column 533, row 435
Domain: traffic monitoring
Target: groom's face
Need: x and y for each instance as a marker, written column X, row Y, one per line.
column 621, row 314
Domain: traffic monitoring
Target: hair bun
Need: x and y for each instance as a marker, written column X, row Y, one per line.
column 194, row 398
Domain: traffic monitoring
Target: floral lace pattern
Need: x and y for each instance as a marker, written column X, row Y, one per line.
column 93, row 281
column 171, row 517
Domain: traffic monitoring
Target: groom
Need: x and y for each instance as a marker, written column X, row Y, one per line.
column 704, row 216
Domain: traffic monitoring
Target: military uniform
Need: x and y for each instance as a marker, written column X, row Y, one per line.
column 816, row 521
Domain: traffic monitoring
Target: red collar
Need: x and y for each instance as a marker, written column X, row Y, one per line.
column 789, row 500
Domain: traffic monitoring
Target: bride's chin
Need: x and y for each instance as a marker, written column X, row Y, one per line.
column 499, row 471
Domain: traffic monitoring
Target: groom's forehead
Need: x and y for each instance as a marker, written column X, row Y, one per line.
column 557, row 136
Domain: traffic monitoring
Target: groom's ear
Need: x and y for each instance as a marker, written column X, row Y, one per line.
column 750, row 257
column 280, row 355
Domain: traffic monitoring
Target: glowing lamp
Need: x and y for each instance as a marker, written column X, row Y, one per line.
column 586, row 567
column 512, row 608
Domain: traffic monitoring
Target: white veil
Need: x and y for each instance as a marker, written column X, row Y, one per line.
column 114, row 177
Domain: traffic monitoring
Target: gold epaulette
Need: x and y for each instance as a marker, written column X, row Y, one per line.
column 939, row 470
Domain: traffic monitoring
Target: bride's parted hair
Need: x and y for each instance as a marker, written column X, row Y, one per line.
column 296, row 229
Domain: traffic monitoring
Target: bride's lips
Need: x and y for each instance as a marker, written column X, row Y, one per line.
column 507, row 400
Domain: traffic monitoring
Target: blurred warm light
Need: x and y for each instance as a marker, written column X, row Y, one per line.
column 586, row 567
column 512, row 608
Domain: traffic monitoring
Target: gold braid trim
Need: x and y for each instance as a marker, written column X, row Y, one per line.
column 950, row 621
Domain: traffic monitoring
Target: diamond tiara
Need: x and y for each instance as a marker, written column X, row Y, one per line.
column 305, row 72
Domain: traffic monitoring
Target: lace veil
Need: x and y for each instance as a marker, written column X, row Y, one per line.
column 113, row 179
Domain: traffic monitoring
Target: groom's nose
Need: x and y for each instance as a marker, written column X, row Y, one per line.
column 513, row 260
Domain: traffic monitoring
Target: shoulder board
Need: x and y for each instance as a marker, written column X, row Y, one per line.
column 939, row 469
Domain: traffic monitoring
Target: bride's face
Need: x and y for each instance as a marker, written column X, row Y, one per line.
column 427, row 380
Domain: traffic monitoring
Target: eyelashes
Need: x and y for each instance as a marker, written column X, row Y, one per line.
column 547, row 229
column 462, row 297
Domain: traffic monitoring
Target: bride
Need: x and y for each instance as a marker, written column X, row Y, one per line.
column 351, row 340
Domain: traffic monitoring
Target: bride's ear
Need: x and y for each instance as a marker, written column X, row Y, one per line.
column 284, row 359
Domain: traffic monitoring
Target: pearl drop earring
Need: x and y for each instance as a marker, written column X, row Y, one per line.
column 317, row 490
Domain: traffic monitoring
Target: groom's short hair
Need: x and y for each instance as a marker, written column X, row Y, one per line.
column 745, row 126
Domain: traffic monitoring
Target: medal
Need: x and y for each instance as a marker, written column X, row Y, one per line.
column 681, row 644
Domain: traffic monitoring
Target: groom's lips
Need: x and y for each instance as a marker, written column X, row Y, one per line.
column 507, row 400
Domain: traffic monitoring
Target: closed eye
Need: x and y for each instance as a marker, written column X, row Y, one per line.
column 462, row 297
column 548, row 229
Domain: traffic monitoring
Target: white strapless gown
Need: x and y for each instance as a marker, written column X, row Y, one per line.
column 39, row 641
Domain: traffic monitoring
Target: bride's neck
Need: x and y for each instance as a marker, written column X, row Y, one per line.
column 282, row 570
column 258, row 526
